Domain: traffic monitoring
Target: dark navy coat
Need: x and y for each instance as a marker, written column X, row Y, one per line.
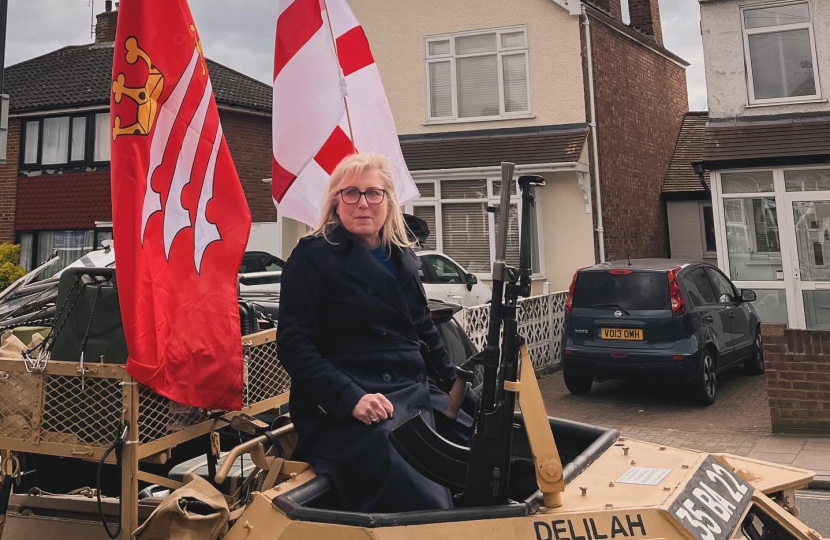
column 347, row 328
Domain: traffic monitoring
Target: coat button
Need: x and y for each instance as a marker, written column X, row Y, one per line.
column 420, row 377
column 387, row 377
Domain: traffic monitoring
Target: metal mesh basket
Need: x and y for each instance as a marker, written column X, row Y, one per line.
column 64, row 412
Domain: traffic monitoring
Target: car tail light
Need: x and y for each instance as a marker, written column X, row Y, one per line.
column 677, row 305
column 619, row 272
column 570, row 298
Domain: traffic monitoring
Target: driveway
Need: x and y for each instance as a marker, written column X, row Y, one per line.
column 735, row 423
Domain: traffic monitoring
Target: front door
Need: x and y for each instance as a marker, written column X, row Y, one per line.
column 774, row 238
column 810, row 253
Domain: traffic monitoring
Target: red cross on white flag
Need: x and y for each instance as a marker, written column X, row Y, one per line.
column 311, row 131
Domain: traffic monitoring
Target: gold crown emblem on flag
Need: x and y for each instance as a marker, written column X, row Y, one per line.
column 146, row 96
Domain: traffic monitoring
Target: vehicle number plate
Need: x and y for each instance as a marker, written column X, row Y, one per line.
column 713, row 502
column 624, row 334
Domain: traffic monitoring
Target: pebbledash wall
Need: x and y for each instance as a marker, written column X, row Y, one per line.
column 798, row 378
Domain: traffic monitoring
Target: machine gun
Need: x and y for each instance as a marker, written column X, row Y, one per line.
column 482, row 471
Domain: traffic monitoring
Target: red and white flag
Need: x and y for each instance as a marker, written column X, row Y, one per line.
column 180, row 218
column 311, row 130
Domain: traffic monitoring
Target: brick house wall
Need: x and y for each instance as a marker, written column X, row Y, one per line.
column 8, row 182
column 249, row 140
column 641, row 99
column 63, row 201
column 798, row 378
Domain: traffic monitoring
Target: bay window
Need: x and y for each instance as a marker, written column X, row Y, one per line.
column 461, row 227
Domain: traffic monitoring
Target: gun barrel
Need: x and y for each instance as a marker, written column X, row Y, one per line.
column 507, row 170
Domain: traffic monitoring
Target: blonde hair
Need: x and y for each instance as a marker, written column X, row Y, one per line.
column 394, row 229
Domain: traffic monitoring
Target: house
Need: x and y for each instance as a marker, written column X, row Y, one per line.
column 688, row 200
column 472, row 84
column 767, row 151
column 55, row 185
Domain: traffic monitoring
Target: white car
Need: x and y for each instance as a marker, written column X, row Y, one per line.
column 446, row 280
column 443, row 278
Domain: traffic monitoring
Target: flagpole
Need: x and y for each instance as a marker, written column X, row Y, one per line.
column 345, row 100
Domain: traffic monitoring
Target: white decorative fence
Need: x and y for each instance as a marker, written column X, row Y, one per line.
column 541, row 320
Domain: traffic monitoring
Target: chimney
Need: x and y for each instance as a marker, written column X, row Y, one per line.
column 107, row 21
column 613, row 7
column 645, row 17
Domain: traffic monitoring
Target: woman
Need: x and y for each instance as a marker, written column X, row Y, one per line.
column 356, row 337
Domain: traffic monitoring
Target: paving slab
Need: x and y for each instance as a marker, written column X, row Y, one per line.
column 781, row 459
column 737, row 423
column 814, row 461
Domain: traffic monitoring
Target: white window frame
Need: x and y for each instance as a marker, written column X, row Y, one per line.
column 776, row 29
column 437, row 203
column 500, row 52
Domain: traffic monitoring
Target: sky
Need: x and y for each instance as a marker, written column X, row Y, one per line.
column 240, row 34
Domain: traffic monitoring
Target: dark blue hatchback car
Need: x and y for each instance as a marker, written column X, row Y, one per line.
column 658, row 320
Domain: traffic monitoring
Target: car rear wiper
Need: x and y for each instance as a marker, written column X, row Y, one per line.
column 616, row 306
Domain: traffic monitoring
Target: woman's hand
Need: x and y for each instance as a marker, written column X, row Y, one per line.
column 372, row 408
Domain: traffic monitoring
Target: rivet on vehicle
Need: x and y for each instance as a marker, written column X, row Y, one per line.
column 625, row 450
column 662, row 448
column 609, row 506
column 293, row 476
column 633, row 462
column 685, row 466
column 584, row 491
column 666, row 488
column 248, row 526
column 610, row 484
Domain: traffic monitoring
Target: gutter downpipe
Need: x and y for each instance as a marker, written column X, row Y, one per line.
column 593, row 125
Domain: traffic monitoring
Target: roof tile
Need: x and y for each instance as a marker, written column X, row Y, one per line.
column 81, row 75
column 795, row 138
column 547, row 144
column 681, row 178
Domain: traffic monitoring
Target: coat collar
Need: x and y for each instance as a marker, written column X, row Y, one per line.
column 341, row 240
column 363, row 267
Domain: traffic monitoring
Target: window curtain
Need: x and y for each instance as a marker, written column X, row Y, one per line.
column 440, row 89
column 466, row 235
column 70, row 245
column 30, row 146
column 102, row 137
column 78, row 138
column 26, row 251
column 515, row 82
column 55, row 140
column 478, row 86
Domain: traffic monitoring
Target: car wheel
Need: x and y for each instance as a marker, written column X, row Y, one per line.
column 578, row 384
column 705, row 387
column 755, row 365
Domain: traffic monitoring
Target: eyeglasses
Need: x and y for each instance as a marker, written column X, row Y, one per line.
column 352, row 195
